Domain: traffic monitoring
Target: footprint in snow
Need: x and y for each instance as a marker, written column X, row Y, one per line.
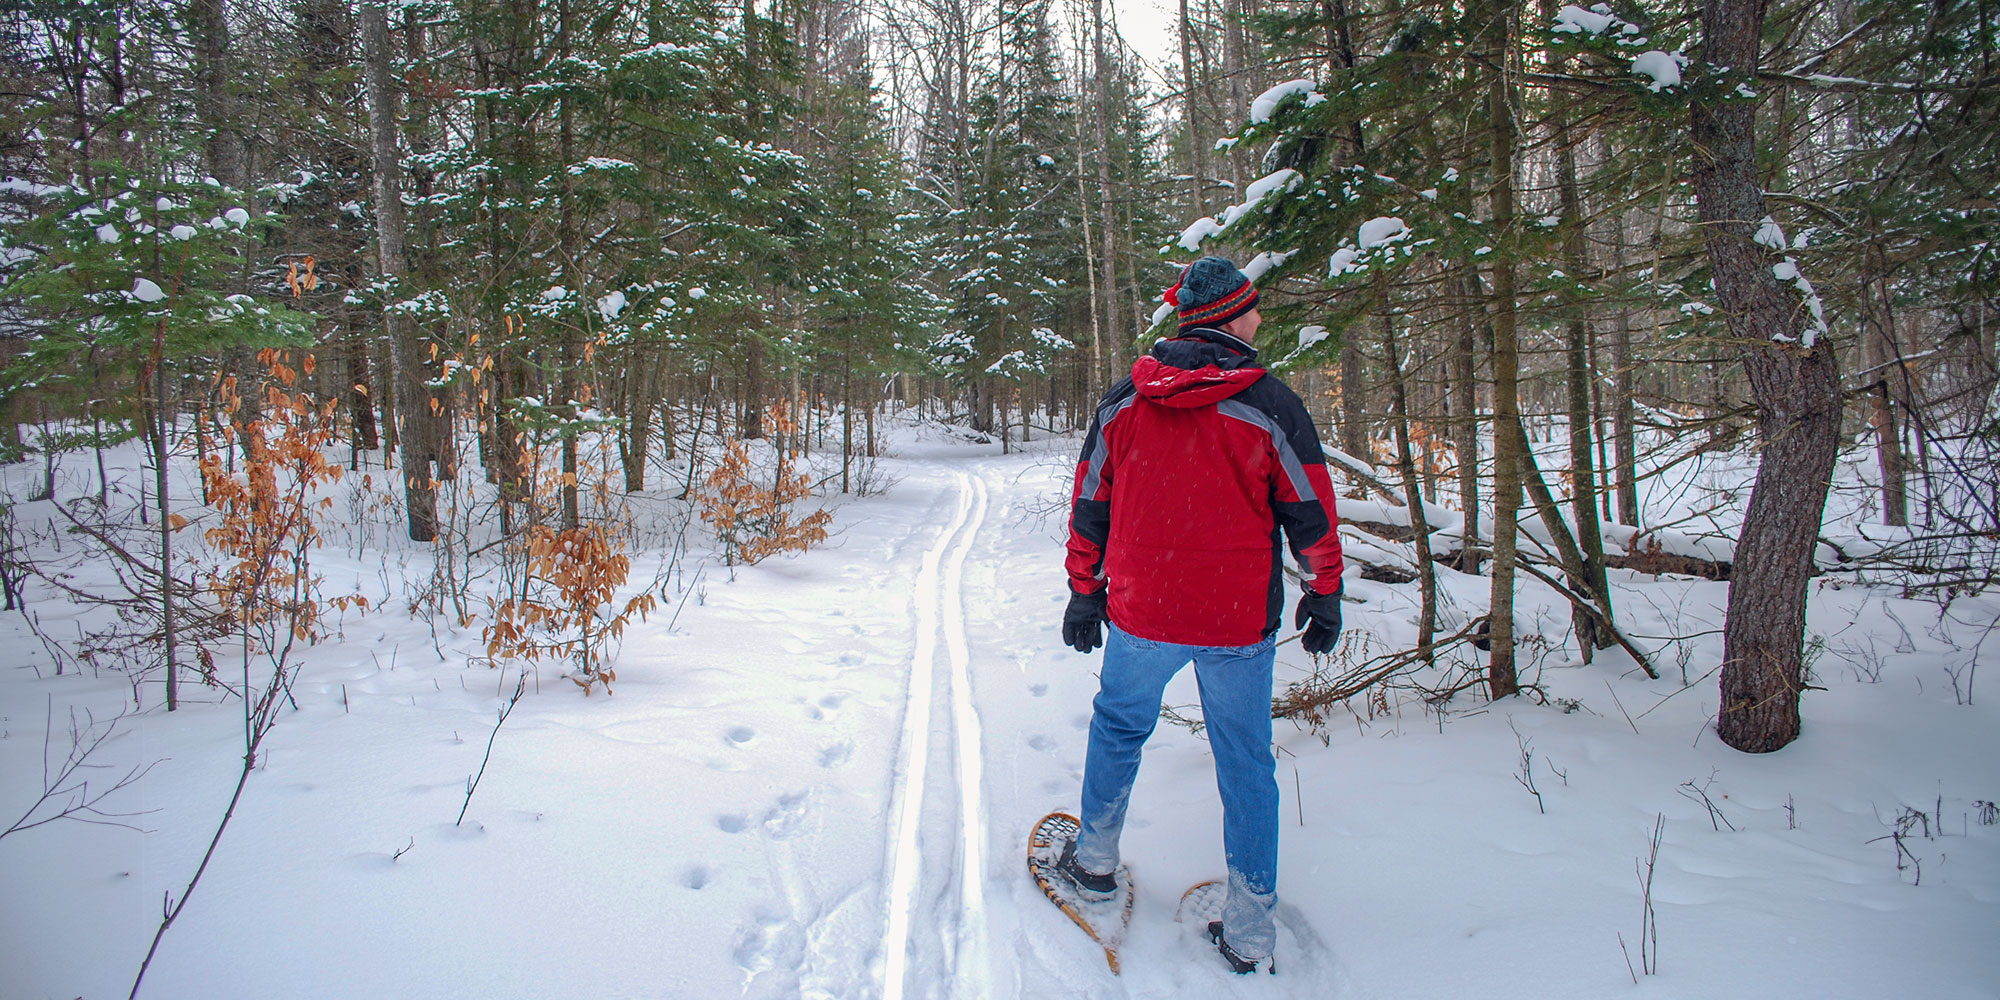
column 697, row 877
column 1040, row 743
column 759, row 942
column 732, row 822
column 1038, row 690
column 827, row 708
column 836, row 755
column 740, row 735
column 784, row 818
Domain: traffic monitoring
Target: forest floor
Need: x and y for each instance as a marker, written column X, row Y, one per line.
column 819, row 772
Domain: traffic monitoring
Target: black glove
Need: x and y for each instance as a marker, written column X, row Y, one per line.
column 1083, row 621
column 1322, row 611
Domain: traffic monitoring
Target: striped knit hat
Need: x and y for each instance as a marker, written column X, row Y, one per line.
column 1211, row 292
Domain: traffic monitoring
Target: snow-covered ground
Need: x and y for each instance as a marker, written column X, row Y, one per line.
column 818, row 781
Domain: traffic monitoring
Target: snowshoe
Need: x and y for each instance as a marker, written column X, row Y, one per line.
column 1102, row 916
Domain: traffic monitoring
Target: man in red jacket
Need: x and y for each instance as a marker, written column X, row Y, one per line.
column 1191, row 469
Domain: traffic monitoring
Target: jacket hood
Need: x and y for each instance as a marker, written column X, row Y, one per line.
column 1201, row 367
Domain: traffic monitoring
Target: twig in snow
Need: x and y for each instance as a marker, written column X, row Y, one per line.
column 68, row 785
column 472, row 783
column 1527, row 775
column 1699, row 793
column 1621, row 707
column 1649, row 924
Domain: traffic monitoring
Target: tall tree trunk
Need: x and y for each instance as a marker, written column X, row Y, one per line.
column 1593, row 583
column 1881, row 358
column 1235, row 79
column 1098, row 331
column 419, row 488
column 360, row 404
column 1412, row 497
column 751, row 426
column 209, row 20
column 1108, row 223
column 1464, row 395
column 1793, row 382
column 642, row 385
column 1624, row 425
column 1501, row 675
column 162, row 494
column 1197, row 156
column 569, row 381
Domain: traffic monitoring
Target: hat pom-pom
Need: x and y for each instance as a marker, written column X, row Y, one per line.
column 1173, row 295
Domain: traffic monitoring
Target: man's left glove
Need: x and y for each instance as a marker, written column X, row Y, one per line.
column 1083, row 621
column 1319, row 615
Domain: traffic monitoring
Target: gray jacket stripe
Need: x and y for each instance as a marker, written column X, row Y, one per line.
column 1105, row 415
column 1279, row 442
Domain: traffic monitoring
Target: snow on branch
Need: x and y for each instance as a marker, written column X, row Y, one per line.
column 1267, row 102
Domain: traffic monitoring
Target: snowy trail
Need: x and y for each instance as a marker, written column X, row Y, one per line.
column 816, row 782
column 938, row 599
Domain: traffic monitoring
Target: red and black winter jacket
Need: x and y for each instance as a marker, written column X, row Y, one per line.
column 1191, row 468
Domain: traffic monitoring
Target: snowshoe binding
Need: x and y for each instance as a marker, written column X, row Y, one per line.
column 1090, row 884
column 1237, row 963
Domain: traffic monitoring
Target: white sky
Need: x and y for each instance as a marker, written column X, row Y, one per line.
column 1148, row 26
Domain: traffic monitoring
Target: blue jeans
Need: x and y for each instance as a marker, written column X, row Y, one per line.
column 1235, row 684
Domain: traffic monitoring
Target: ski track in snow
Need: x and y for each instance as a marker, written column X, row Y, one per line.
column 939, row 605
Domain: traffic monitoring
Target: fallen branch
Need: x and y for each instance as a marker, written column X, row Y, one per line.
column 1301, row 700
column 1591, row 609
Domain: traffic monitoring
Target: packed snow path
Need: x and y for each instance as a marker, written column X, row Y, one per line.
column 957, row 841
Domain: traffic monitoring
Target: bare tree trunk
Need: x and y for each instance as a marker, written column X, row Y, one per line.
column 162, row 493
column 1593, row 582
column 642, row 385
column 751, row 426
column 1098, row 330
column 1795, row 386
column 1107, row 220
column 1412, row 497
column 1624, row 428
column 572, row 346
column 1197, row 158
column 1501, row 676
column 224, row 151
column 1234, row 74
column 1881, row 358
column 1465, row 422
column 419, row 489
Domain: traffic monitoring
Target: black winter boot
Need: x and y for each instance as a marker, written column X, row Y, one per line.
column 1237, row 963
column 1093, row 885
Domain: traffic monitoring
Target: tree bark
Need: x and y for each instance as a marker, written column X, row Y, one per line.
column 1420, row 529
column 1624, row 429
column 1107, row 224
column 419, row 489
column 224, row 149
column 1464, row 396
column 1794, row 385
column 1501, row 676
column 569, row 381
column 1881, row 358
column 1197, row 160
column 1593, row 582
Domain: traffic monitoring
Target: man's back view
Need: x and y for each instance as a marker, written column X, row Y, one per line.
column 1191, row 469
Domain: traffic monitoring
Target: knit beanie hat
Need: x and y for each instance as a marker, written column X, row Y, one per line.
column 1211, row 292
